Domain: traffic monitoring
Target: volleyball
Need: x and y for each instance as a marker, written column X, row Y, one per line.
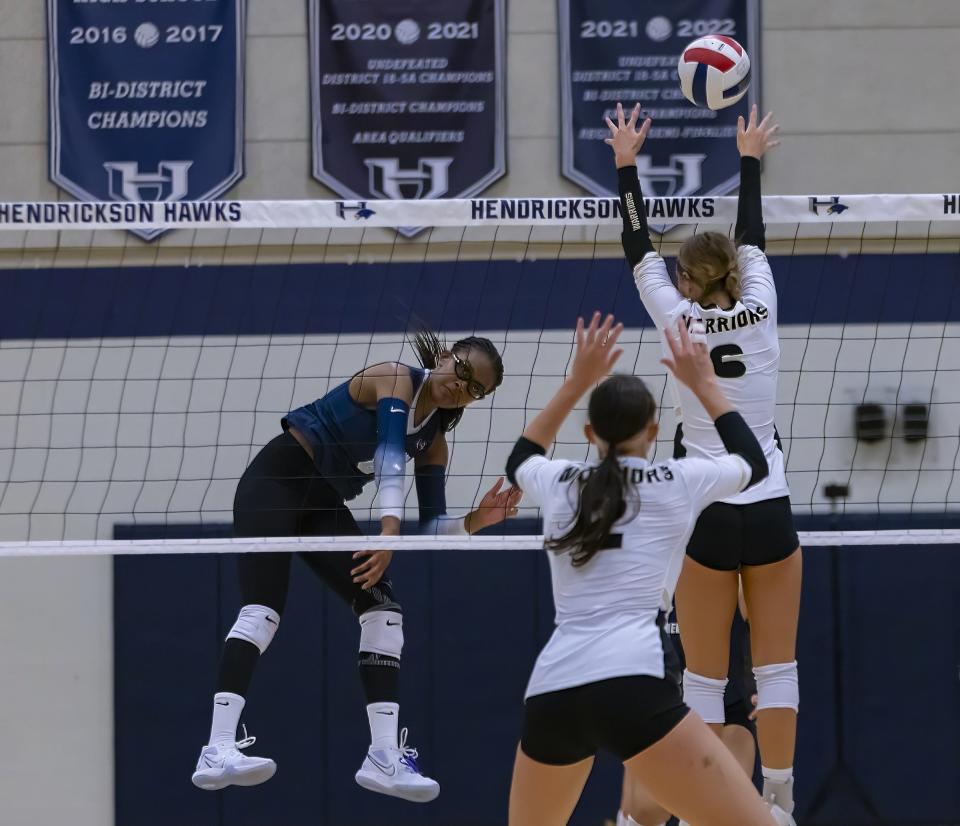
column 714, row 72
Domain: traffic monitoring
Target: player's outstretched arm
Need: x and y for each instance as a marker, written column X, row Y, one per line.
column 596, row 354
column 753, row 141
column 626, row 141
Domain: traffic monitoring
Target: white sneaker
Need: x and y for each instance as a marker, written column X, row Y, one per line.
column 395, row 772
column 222, row 764
column 781, row 817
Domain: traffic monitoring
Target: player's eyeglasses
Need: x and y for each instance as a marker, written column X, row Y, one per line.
column 464, row 372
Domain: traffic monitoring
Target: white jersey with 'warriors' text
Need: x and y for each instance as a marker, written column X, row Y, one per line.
column 606, row 610
column 745, row 351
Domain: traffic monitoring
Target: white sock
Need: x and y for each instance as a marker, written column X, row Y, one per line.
column 778, row 787
column 384, row 721
column 227, row 708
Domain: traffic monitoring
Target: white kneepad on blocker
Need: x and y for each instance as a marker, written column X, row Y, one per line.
column 705, row 696
column 778, row 686
column 381, row 632
column 256, row 624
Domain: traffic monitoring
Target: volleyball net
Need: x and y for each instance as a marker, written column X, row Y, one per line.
column 140, row 379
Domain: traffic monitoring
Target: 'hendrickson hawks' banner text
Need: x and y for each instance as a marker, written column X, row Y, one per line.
column 627, row 51
column 408, row 97
column 146, row 99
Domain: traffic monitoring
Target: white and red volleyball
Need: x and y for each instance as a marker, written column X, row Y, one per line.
column 714, row 71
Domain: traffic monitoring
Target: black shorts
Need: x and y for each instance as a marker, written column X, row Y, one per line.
column 622, row 715
column 728, row 536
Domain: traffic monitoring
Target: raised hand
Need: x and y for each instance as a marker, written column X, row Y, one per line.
column 625, row 138
column 753, row 139
column 595, row 355
column 690, row 362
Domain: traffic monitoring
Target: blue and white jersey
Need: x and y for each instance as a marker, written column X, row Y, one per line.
column 343, row 434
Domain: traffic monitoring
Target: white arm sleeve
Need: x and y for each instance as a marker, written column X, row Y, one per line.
column 659, row 296
column 709, row 480
column 757, row 278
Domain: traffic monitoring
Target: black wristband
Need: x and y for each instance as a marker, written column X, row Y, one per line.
column 737, row 437
column 522, row 450
column 635, row 236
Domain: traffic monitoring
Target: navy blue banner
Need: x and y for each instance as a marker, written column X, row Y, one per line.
column 146, row 99
column 408, row 98
column 628, row 50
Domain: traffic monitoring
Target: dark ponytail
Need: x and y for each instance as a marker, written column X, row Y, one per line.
column 619, row 409
column 429, row 349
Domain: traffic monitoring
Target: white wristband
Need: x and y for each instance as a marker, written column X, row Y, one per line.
column 447, row 525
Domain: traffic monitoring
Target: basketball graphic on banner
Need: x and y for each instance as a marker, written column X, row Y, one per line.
column 714, row 72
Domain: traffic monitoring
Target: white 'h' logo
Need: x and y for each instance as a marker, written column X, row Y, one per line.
column 127, row 183
column 428, row 180
column 681, row 177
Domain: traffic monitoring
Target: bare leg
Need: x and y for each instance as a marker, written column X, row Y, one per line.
column 692, row 774
column 637, row 802
column 740, row 743
column 772, row 593
column 706, row 600
column 543, row 795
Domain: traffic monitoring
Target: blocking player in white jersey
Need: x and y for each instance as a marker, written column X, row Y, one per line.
column 615, row 533
column 750, row 536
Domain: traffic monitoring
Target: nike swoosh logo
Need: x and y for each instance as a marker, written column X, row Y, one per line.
column 394, row 623
column 211, row 764
column 271, row 621
column 224, row 703
column 391, row 773
column 397, row 410
column 388, row 713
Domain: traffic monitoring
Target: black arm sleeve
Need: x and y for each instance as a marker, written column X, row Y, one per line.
column 522, row 450
column 737, row 437
column 749, row 206
column 635, row 235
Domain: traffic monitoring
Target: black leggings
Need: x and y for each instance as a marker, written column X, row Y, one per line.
column 281, row 494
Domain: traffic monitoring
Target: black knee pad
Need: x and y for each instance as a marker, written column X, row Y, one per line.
column 380, row 596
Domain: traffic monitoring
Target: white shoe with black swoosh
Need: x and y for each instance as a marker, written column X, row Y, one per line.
column 395, row 772
column 221, row 765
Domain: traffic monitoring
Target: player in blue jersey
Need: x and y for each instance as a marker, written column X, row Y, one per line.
column 361, row 431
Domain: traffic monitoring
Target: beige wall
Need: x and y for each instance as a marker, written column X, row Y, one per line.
column 868, row 103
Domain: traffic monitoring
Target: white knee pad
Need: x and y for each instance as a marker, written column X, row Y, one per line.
column 705, row 696
column 256, row 624
column 381, row 632
column 778, row 686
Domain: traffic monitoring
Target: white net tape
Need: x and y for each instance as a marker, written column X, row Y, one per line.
column 296, row 544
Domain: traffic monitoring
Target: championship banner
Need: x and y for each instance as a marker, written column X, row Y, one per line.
column 627, row 51
column 408, row 98
column 146, row 99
